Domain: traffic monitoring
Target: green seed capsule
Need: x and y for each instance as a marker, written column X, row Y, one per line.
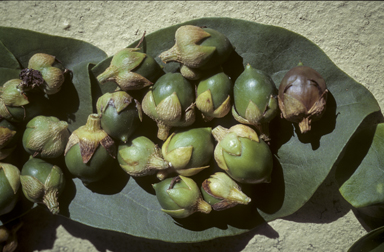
column 52, row 73
column 90, row 151
column 170, row 102
column 197, row 49
column 42, row 183
column 255, row 100
column 221, row 192
column 188, row 151
column 242, row 155
column 180, row 197
column 120, row 114
column 8, row 138
column 302, row 96
column 18, row 106
column 131, row 70
column 45, row 137
column 214, row 95
column 9, row 187
column 141, row 157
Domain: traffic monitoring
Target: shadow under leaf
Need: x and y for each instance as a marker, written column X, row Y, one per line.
column 324, row 126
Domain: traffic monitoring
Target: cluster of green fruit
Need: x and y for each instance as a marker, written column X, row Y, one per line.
column 171, row 100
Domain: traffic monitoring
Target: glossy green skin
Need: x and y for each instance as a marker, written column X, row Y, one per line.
column 149, row 69
column 96, row 169
column 139, row 151
column 174, row 82
column 37, row 127
column 223, row 48
column 209, row 198
column 202, row 142
column 252, row 85
column 185, row 199
column 219, row 84
column 40, row 169
column 253, row 165
column 8, row 199
column 37, row 168
column 31, row 110
column 120, row 125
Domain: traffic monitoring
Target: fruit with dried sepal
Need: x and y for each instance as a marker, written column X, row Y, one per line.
column 180, row 197
column 44, row 72
column 197, row 49
column 222, row 192
column 242, row 155
column 255, row 100
column 9, row 187
column 8, row 138
column 131, row 70
column 141, row 157
column 90, row 152
column 120, row 114
column 45, row 137
column 170, row 103
column 42, row 183
column 187, row 151
column 303, row 96
column 17, row 105
column 214, row 95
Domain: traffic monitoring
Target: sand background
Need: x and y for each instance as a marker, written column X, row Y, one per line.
column 350, row 33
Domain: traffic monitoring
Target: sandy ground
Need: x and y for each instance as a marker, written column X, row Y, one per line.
column 350, row 33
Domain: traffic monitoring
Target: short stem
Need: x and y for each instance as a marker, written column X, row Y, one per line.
column 203, row 206
column 305, row 125
column 93, row 122
column 263, row 130
column 103, row 77
column 51, row 200
column 163, row 174
column 163, row 131
column 172, row 54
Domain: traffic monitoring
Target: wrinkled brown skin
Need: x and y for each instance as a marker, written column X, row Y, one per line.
column 308, row 87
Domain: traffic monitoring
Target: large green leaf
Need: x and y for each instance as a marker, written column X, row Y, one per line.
column 301, row 163
column 371, row 242
column 75, row 55
column 366, row 185
column 7, row 58
column 73, row 103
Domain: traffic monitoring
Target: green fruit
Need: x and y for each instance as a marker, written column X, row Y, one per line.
column 188, row 151
column 120, row 114
column 214, row 95
column 131, row 70
column 52, row 72
column 90, row 152
column 221, row 192
column 198, row 49
column 42, row 183
column 170, row 102
column 242, row 155
column 18, row 106
column 8, row 138
column 45, row 137
column 302, row 96
column 9, row 187
column 255, row 100
column 180, row 197
column 141, row 157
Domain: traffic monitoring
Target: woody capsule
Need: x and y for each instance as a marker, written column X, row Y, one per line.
column 302, row 96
